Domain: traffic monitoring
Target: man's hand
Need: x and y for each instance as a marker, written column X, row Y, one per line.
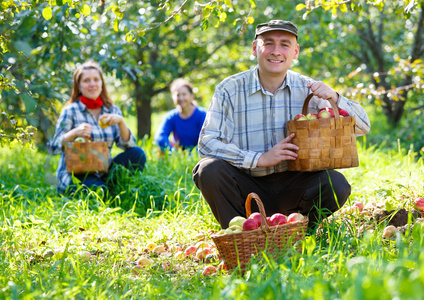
column 321, row 90
column 280, row 152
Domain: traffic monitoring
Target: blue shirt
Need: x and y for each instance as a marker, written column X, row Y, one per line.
column 71, row 117
column 244, row 120
column 185, row 131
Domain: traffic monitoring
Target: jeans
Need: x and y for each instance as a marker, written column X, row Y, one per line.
column 133, row 159
column 225, row 188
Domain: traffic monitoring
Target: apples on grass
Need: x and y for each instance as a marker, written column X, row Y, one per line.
column 419, row 203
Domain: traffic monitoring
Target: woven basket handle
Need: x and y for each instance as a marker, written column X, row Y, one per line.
column 255, row 196
column 333, row 105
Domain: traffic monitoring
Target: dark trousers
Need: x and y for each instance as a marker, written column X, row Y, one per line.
column 133, row 159
column 226, row 188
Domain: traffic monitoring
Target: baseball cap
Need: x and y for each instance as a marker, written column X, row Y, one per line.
column 276, row 25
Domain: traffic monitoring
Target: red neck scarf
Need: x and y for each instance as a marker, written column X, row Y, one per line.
column 91, row 103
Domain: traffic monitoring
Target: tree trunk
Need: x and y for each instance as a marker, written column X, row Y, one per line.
column 144, row 110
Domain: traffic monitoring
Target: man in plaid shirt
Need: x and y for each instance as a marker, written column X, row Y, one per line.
column 243, row 142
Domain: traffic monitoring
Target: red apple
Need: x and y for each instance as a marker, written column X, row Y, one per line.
column 278, row 219
column 300, row 117
column 222, row 266
column 343, row 113
column 419, row 203
column 389, row 231
column 202, row 253
column 294, row 217
column 249, row 224
column 208, row 270
column 327, row 109
column 190, row 250
column 312, row 116
column 268, row 221
column 323, row 114
column 257, row 217
column 359, row 205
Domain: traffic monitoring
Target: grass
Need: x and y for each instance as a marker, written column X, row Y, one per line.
column 163, row 206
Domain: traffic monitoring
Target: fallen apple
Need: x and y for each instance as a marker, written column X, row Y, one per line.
column 295, row 217
column 238, row 220
column 210, row 258
column 159, row 249
column 190, row 250
column 144, row 261
column 209, row 270
column 136, row 269
column 222, row 266
column 179, row 255
column 419, row 203
column 389, row 231
column 85, row 255
column 257, row 217
column 150, row 246
column 249, row 224
column 300, row 117
column 202, row 245
column 278, row 219
column 359, row 205
column 311, row 116
column 203, row 252
column 48, row 253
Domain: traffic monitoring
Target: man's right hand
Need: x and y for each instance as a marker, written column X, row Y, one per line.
column 284, row 150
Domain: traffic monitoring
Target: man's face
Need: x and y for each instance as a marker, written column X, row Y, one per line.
column 275, row 51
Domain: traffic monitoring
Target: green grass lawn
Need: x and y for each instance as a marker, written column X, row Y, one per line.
column 45, row 237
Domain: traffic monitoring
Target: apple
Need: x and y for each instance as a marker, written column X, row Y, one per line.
column 159, row 249
column 257, row 217
column 174, row 248
column 236, row 228
column 329, row 109
column 389, row 231
column 419, row 203
column 312, row 116
column 249, row 224
column 277, row 219
column 343, row 113
column 150, row 246
column 202, row 245
column 359, row 205
column 144, row 261
column 179, row 255
column 300, row 117
column 102, row 123
column 203, row 252
column 222, row 266
column 48, row 253
column 84, row 255
column 294, row 217
column 208, row 270
column 190, row 250
column 210, row 258
column 268, row 221
column 238, row 220
column 79, row 139
column 323, row 114
column 136, row 269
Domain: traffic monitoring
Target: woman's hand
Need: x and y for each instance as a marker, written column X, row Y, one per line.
column 284, row 150
column 111, row 119
column 83, row 130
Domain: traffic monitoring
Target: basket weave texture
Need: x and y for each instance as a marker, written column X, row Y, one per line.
column 323, row 143
column 237, row 248
column 86, row 157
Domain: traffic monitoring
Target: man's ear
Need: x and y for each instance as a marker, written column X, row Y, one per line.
column 296, row 53
column 254, row 52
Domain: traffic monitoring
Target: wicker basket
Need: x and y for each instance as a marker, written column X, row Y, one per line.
column 86, row 157
column 323, row 143
column 237, row 248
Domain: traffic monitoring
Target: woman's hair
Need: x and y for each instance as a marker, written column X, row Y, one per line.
column 89, row 65
column 180, row 82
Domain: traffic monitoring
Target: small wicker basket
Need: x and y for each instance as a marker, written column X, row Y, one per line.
column 323, row 143
column 238, row 248
column 86, row 157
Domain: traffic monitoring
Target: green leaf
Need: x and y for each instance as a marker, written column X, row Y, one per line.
column 30, row 103
column 85, row 10
column 47, row 13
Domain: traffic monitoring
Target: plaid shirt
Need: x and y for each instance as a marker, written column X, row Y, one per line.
column 244, row 121
column 74, row 115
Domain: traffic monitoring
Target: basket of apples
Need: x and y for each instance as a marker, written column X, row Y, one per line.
column 326, row 140
column 257, row 233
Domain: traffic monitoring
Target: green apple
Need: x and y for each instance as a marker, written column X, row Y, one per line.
column 236, row 228
column 238, row 220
